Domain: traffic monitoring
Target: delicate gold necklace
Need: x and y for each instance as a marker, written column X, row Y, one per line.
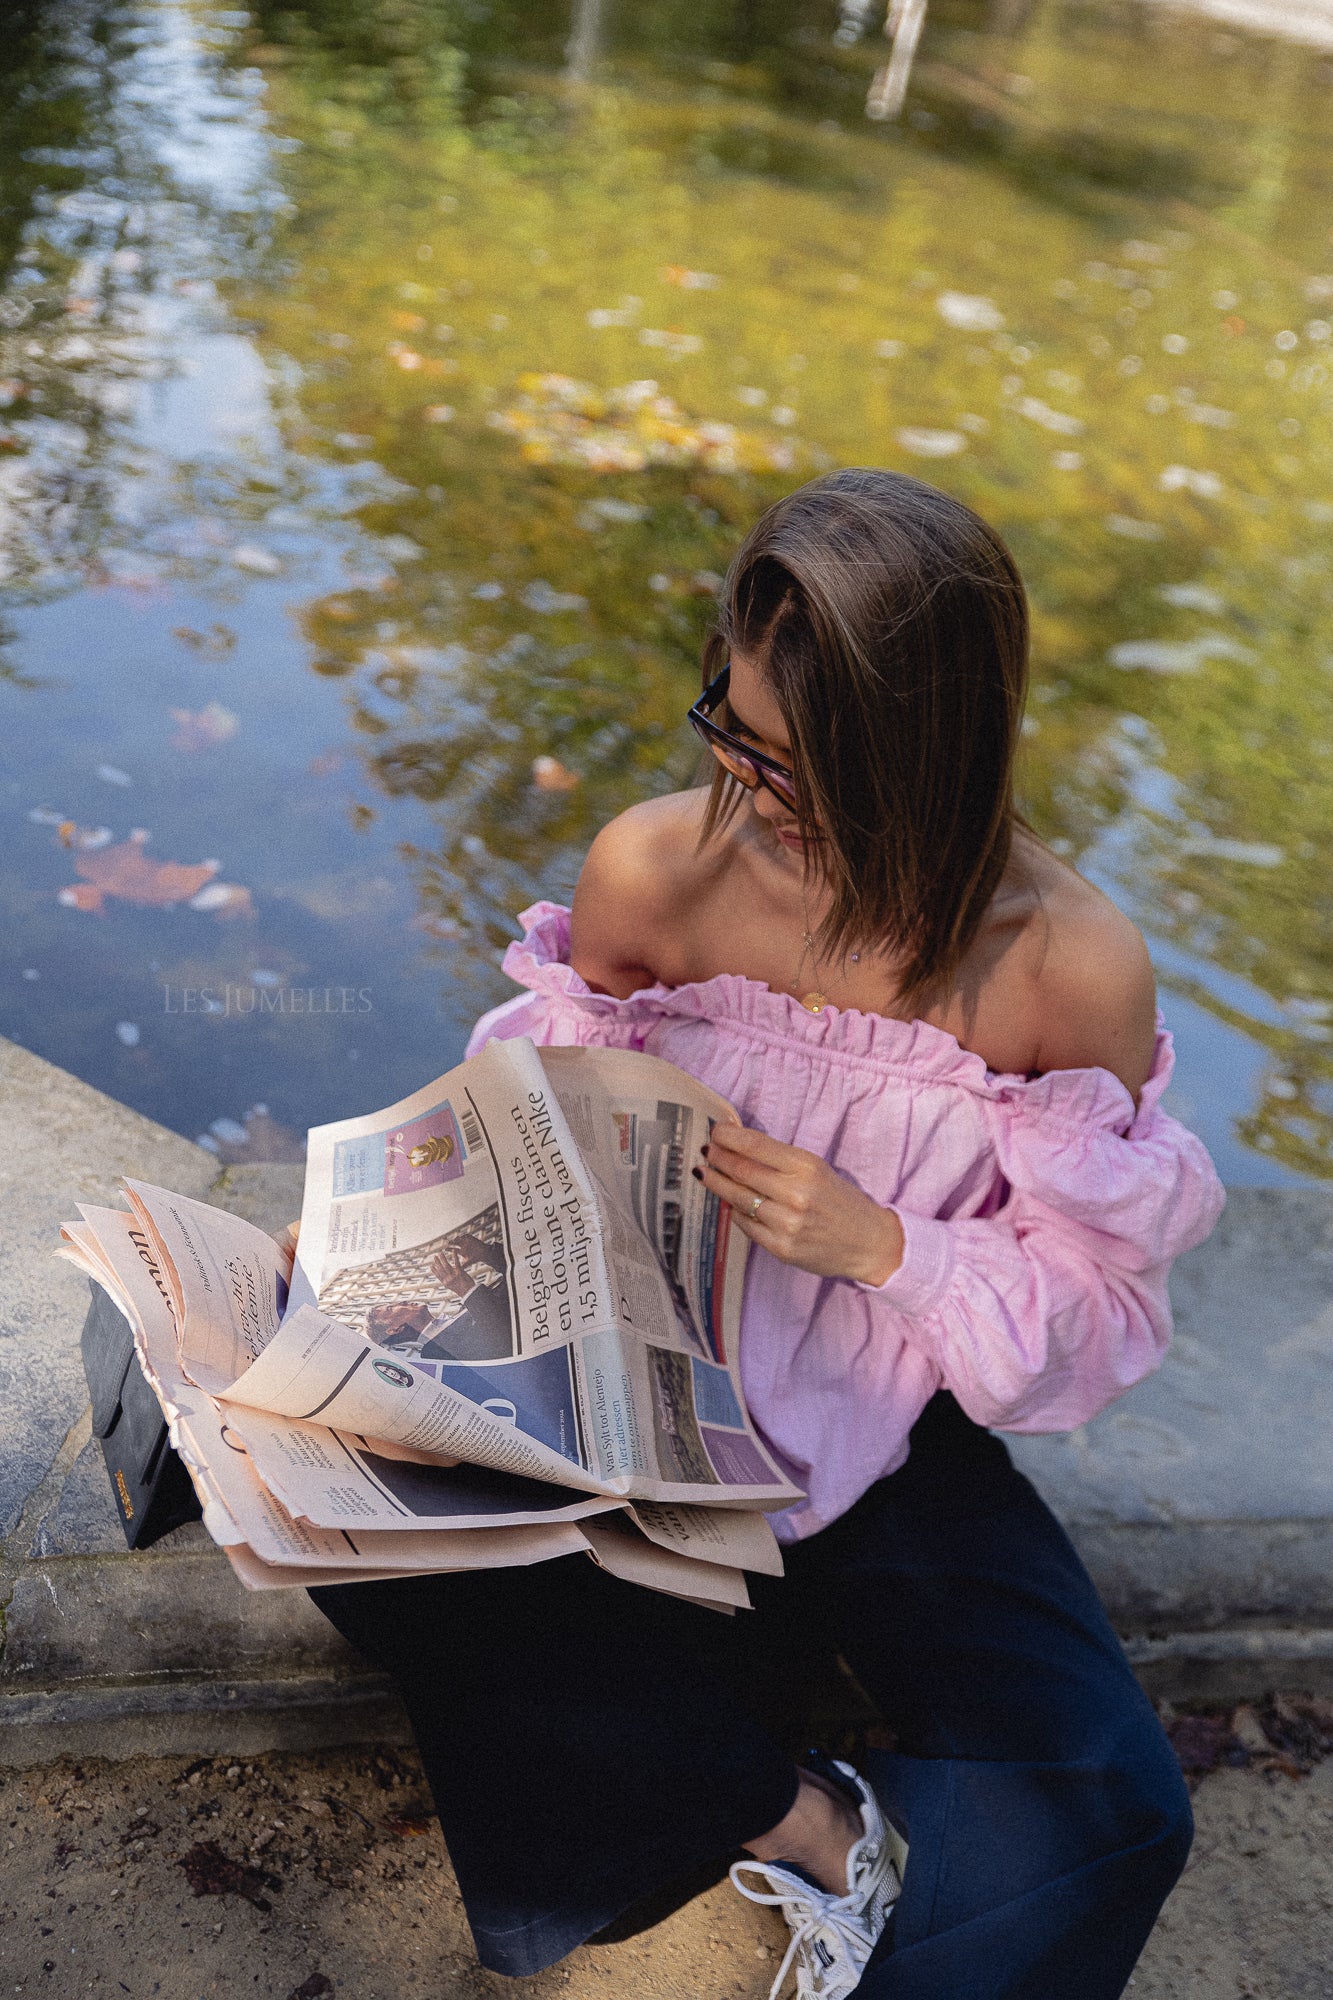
column 814, row 1002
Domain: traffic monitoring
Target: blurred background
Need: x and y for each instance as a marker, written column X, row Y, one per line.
column 385, row 384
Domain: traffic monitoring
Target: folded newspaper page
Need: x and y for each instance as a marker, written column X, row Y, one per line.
column 515, row 1266
column 510, row 1334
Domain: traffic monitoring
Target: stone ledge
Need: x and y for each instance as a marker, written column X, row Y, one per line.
column 197, row 1716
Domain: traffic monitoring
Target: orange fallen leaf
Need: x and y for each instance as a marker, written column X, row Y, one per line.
column 407, row 322
column 127, row 872
column 550, row 775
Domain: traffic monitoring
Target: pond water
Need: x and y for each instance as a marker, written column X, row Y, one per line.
column 385, row 387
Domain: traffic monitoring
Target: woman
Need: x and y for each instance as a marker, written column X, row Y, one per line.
column 964, row 1201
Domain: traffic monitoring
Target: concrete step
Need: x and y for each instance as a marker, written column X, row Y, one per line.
column 1203, row 1502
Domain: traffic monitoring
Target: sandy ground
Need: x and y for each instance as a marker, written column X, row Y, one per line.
column 354, row 1896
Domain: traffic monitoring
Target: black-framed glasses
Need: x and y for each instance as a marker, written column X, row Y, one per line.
column 749, row 767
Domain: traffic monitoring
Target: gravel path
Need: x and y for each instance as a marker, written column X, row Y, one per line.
column 333, row 1881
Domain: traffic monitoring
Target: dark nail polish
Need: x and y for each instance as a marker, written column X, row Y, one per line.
column 697, row 1175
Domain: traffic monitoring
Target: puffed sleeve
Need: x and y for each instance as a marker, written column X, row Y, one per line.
column 556, row 1007
column 1039, row 1315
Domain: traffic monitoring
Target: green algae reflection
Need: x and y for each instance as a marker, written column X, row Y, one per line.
column 588, row 325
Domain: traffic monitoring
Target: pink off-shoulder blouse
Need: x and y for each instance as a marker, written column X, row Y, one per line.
column 1040, row 1215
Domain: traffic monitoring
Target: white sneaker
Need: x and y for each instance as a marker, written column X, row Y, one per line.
column 832, row 1937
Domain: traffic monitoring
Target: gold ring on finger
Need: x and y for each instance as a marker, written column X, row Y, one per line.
column 755, row 1206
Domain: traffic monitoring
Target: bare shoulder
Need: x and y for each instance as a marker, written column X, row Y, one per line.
column 1094, row 987
column 638, row 877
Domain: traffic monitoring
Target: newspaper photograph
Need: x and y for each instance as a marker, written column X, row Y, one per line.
column 525, row 1234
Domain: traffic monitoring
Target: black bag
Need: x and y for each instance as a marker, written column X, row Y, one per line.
column 152, row 1488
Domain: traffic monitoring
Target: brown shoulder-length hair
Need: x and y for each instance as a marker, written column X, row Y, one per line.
column 891, row 625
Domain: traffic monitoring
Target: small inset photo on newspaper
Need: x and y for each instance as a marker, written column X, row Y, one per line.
column 446, row 1299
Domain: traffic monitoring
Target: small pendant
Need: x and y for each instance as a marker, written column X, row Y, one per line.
column 814, row 1003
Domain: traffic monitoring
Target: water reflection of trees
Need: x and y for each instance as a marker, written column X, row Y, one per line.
column 1201, row 796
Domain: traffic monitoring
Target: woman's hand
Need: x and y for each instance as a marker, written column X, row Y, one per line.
column 808, row 1215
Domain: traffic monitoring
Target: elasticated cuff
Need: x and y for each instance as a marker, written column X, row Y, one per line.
column 921, row 1279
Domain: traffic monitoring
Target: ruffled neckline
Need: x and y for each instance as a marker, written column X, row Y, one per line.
column 915, row 1049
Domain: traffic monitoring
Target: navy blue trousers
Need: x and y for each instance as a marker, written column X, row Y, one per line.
column 595, row 1749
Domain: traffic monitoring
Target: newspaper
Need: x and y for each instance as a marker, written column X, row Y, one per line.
column 512, row 1320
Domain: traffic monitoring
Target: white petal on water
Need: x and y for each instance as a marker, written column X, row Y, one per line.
column 1176, row 656
column 969, row 312
column 128, row 1033
column 1193, row 597
column 1211, row 414
column 111, row 774
column 1049, row 419
column 229, row 1131
column 620, row 510
column 1187, row 479
column 931, row 444
column 259, row 562
column 540, row 596
column 264, row 976
column 1133, row 529
column 1247, row 853
column 215, row 896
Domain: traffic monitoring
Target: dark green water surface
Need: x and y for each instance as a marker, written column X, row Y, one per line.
column 382, row 393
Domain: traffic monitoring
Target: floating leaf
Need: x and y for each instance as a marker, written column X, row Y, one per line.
column 128, row 1033
column 561, row 421
column 550, row 775
column 211, row 725
column 125, row 871
column 111, row 774
column 689, row 281
column 216, row 641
